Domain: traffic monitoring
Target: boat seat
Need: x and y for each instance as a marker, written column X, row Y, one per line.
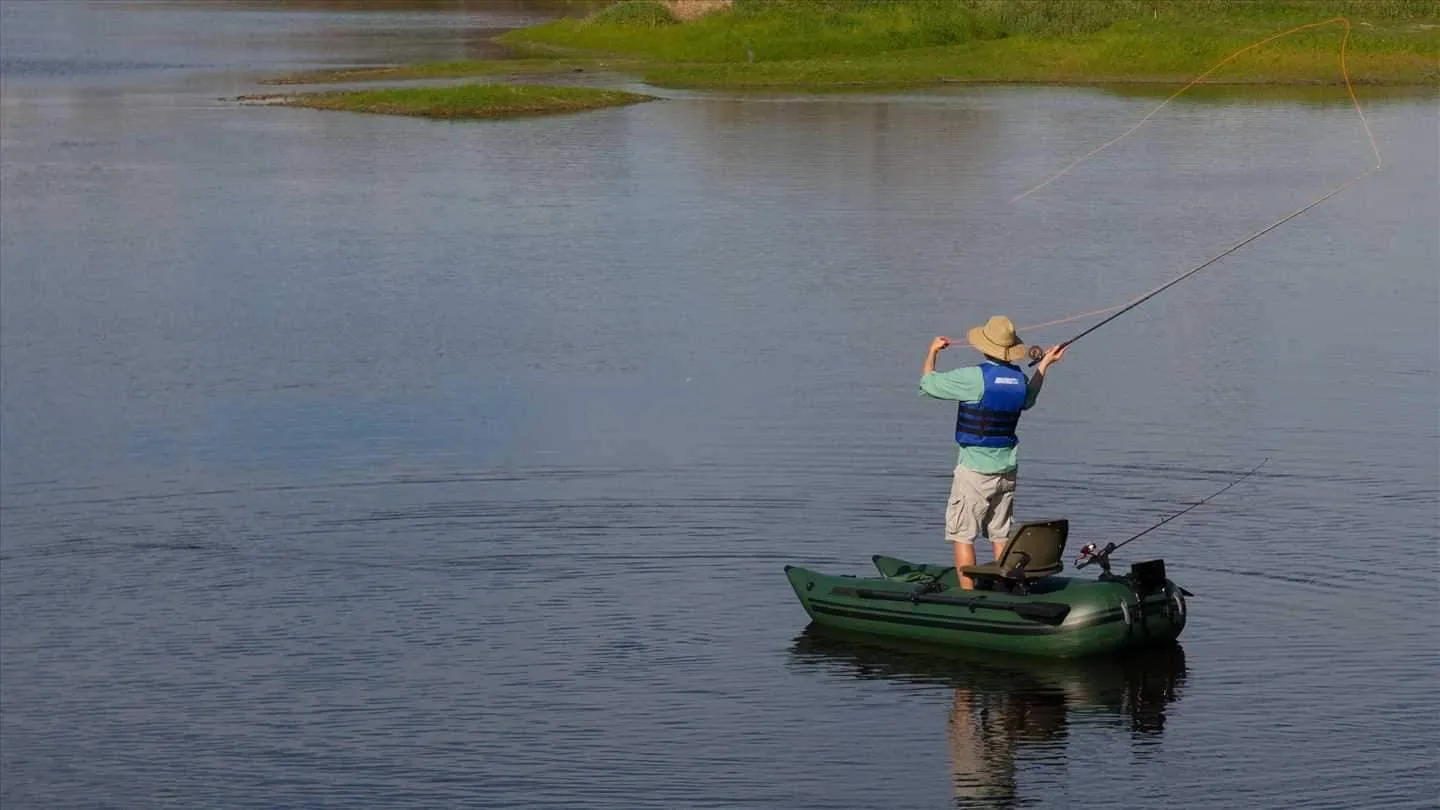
column 1033, row 551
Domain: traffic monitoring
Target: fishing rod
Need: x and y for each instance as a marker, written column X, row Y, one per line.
column 1089, row 556
column 1036, row 352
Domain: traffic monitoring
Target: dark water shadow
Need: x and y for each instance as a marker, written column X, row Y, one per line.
column 1008, row 710
column 1139, row 684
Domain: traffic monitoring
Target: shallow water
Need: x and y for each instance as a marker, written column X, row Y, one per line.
column 361, row 461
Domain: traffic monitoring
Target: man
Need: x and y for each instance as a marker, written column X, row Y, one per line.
column 991, row 397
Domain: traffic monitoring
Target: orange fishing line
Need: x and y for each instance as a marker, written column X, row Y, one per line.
column 1349, row 88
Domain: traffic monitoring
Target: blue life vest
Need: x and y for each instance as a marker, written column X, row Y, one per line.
column 991, row 421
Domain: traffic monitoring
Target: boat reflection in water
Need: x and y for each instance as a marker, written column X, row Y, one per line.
column 1005, row 705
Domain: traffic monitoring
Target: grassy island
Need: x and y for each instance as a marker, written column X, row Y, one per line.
column 858, row 44
column 466, row 101
column 501, row 68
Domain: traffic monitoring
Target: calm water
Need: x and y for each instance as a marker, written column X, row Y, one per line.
column 358, row 461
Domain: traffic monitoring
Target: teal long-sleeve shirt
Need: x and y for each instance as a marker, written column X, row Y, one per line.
column 968, row 385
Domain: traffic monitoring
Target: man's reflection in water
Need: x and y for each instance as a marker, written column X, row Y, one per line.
column 1005, row 711
column 986, row 729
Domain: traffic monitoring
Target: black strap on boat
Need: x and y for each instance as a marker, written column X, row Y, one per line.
column 1050, row 612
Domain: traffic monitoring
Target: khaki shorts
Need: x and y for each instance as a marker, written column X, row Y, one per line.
column 980, row 502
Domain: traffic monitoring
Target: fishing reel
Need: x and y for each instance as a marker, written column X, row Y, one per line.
column 1089, row 555
column 1035, row 352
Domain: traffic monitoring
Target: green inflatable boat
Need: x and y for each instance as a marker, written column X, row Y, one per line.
column 1020, row 605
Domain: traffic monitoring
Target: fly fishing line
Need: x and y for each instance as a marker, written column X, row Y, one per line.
column 1123, row 307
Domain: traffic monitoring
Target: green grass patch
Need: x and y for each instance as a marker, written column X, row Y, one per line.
column 776, row 30
column 848, row 43
column 1124, row 53
column 467, row 101
column 641, row 13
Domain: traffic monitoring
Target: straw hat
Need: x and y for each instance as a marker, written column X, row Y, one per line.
column 997, row 339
